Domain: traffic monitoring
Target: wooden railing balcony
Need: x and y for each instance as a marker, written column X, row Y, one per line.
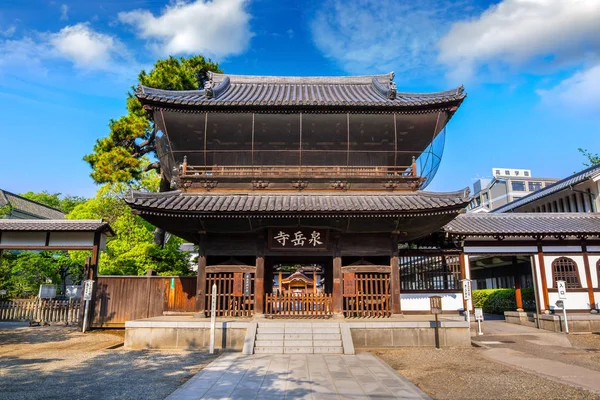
column 301, row 171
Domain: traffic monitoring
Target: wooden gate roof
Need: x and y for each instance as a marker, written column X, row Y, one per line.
column 348, row 92
column 298, row 203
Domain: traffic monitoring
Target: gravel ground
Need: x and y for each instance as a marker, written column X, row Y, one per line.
column 466, row 374
column 56, row 362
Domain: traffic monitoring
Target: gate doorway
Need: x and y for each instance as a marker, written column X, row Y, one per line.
column 298, row 287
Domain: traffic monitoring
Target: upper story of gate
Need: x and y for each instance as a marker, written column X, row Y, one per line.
column 279, row 133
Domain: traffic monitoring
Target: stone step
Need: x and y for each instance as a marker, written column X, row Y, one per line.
column 269, row 336
column 299, row 330
column 298, row 336
column 298, row 343
column 270, row 329
column 298, row 350
column 268, row 343
column 325, row 343
column 268, row 350
column 325, row 330
column 327, row 336
column 328, row 350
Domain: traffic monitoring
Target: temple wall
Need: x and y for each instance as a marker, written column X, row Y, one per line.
column 420, row 301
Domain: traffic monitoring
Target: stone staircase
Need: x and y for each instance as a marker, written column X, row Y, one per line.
column 301, row 338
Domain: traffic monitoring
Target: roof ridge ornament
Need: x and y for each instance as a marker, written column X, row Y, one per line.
column 392, row 91
column 208, row 89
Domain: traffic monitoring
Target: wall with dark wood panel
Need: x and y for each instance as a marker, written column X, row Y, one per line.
column 126, row 298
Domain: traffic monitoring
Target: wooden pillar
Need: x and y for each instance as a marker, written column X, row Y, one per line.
column 259, row 278
column 201, row 287
column 259, row 285
column 338, row 299
column 517, row 283
column 518, row 295
column 92, row 274
column 394, row 277
column 543, row 278
column 588, row 275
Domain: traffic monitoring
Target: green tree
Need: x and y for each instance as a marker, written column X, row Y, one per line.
column 131, row 251
column 590, row 158
column 55, row 200
column 123, row 155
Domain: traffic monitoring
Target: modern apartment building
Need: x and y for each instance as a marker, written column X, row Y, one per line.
column 506, row 186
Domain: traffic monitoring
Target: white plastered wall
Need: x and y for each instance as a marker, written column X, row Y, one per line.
column 421, row 302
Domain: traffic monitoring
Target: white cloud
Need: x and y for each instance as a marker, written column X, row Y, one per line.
column 8, row 32
column 580, row 92
column 86, row 48
column 64, row 12
column 79, row 44
column 379, row 36
column 515, row 33
column 216, row 28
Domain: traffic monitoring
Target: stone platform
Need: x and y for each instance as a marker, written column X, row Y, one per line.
column 188, row 332
column 578, row 323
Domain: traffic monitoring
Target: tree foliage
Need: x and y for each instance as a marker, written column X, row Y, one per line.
column 590, row 158
column 131, row 251
column 123, row 155
column 55, row 200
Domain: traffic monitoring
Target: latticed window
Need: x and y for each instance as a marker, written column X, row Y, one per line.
column 565, row 269
column 429, row 273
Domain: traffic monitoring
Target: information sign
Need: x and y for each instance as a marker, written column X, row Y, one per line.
column 435, row 303
column 466, row 289
column 479, row 314
column 238, row 283
column 87, row 289
column 562, row 289
column 247, row 284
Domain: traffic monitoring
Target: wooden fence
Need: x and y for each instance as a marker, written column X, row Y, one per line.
column 231, row 301
column 299, row 304
column 66, row 311
column 366, row 294
column 126, row 298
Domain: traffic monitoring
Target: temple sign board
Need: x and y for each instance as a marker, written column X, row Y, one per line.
column 303, row 239
column 562, row 289
column 466, row 289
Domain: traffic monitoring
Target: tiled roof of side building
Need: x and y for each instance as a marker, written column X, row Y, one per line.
column 297, row 203
column 350, row 91
column 63, row 225
column 525, row 224
column 31, row 208
column 563, row 184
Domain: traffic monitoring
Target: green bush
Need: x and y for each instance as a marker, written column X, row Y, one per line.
column 496, row 301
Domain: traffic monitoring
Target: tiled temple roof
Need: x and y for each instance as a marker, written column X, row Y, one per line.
column 64, row 225
column 301, row 203
column 31, row 208
column 353, row 91
column 525, row 224
column 566, row 183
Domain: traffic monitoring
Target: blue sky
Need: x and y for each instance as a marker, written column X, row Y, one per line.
column 531, row 69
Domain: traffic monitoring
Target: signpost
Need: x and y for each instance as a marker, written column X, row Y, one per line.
column 479, row 319
column 247, row 284
column 213, row 317
column 562, row 296
column 88, row 289
column 466, row 297
column 435, row 305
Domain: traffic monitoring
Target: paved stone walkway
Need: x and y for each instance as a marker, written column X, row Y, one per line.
column 311, row 376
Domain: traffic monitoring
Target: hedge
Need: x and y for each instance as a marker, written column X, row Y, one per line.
column 496, row 301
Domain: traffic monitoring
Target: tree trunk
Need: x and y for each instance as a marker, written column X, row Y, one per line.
column 159, row 234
